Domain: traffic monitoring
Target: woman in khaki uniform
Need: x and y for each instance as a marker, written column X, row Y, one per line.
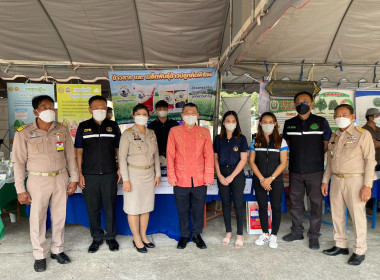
column 141, row 172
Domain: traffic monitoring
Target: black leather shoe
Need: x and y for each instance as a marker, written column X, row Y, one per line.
column 149, row 245
column 140, row 250
column 61, row 258
column 356, row 259
column 40, row 265
column 113, row 245
column 94, row 247
column 183, row 242
column 334, row 251
column 314, row 244
column 292, row 237
column 199, row 241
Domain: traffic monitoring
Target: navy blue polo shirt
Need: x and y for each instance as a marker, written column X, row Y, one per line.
column 229, row 150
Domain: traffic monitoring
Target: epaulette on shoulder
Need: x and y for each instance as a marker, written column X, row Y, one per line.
column 360, row 129
column 129, row 129
column 21, row 127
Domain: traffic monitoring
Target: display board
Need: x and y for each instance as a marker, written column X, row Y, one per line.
column 177, row 87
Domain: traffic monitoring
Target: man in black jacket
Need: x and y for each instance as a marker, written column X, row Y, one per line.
column 307, row 136
column 97, row 145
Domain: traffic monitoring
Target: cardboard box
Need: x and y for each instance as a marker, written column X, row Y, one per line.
column 253, row 220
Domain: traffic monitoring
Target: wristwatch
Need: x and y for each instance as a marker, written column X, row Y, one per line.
column 273, row 177
column 369, row 186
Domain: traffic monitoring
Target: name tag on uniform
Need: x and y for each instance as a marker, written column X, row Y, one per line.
column 60, row 147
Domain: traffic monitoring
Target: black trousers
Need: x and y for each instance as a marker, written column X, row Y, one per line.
column 101, row 190
column 275, row 202
column 235, row 190
column 190, row 200
column 311, row 183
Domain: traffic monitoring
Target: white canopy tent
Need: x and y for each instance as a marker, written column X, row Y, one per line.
column 84, row 39
column 339, row 38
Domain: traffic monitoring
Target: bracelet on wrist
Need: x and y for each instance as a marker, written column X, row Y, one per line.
column 369, row 186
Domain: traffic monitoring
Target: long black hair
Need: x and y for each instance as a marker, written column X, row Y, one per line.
column 260, row 138
column 237, row 131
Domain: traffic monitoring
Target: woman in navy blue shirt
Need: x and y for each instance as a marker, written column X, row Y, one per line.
column 268, row 158
column 230, row 153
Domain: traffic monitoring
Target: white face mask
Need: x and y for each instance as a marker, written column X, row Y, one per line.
column 99, row 115
column 162, row 114
column 141, row 120
column 47, row 116
column 268, row 128
column 377, row 121
column 342, row 122
column 190, row 120
column 230, row 126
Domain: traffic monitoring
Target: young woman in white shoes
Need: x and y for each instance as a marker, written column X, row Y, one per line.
column 230, row 154
column 268, row 158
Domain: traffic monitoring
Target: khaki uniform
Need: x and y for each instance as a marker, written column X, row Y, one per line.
column 139, row 164
column 47, row 156
column 351, row 164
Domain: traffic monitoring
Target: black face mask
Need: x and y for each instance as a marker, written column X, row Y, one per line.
column 302, row 109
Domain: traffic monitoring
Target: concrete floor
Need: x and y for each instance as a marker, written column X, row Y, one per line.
column 290, row 261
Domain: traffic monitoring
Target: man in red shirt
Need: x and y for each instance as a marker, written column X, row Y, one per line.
column 190, row 167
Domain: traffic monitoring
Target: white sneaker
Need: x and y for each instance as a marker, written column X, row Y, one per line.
column 273, row 241
column 262, row 239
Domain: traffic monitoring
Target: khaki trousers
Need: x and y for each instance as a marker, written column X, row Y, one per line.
column 47, row 191
column 345, row 192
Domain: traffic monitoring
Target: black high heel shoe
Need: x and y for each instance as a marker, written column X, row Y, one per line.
column 149, row 245
column 140, row 250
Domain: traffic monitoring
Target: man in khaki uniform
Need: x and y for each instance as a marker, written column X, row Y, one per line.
column 45, row 149
column 351, row 164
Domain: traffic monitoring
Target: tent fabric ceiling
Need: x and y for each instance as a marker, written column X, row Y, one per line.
column 322, row 32
column 85, row 39
column 128, row 34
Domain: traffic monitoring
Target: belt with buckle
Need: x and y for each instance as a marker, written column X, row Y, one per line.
column 49, row 174
column 349, row 175
column 140, row 167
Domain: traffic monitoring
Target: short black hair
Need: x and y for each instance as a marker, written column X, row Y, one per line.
column 96, row 97
column 139, row 107
column 302, row 93
column 161, row 103
column 190, row 105
column 348, row 106
column 109, row 109
column 36, row 101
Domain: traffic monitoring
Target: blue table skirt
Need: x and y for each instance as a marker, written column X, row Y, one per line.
column 164, row 218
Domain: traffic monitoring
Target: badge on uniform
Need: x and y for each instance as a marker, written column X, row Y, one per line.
column 201, row 135
column 33, row 134
column 87, row 130
column 60, row 147
column 109, row 129
column 58, row 134
column 236, row 149
column 351, row 140
column 136, row 136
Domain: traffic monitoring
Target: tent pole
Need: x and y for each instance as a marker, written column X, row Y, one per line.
column 217, row 106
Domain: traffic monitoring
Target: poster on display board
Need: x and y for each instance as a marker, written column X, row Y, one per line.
column 364, row 100
column 326, row 101
column 73, row 104
column 20, row 109
column 283, row 108
column 176, row 87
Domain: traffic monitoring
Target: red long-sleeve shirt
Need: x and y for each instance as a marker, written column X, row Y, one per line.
column 190, row 154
